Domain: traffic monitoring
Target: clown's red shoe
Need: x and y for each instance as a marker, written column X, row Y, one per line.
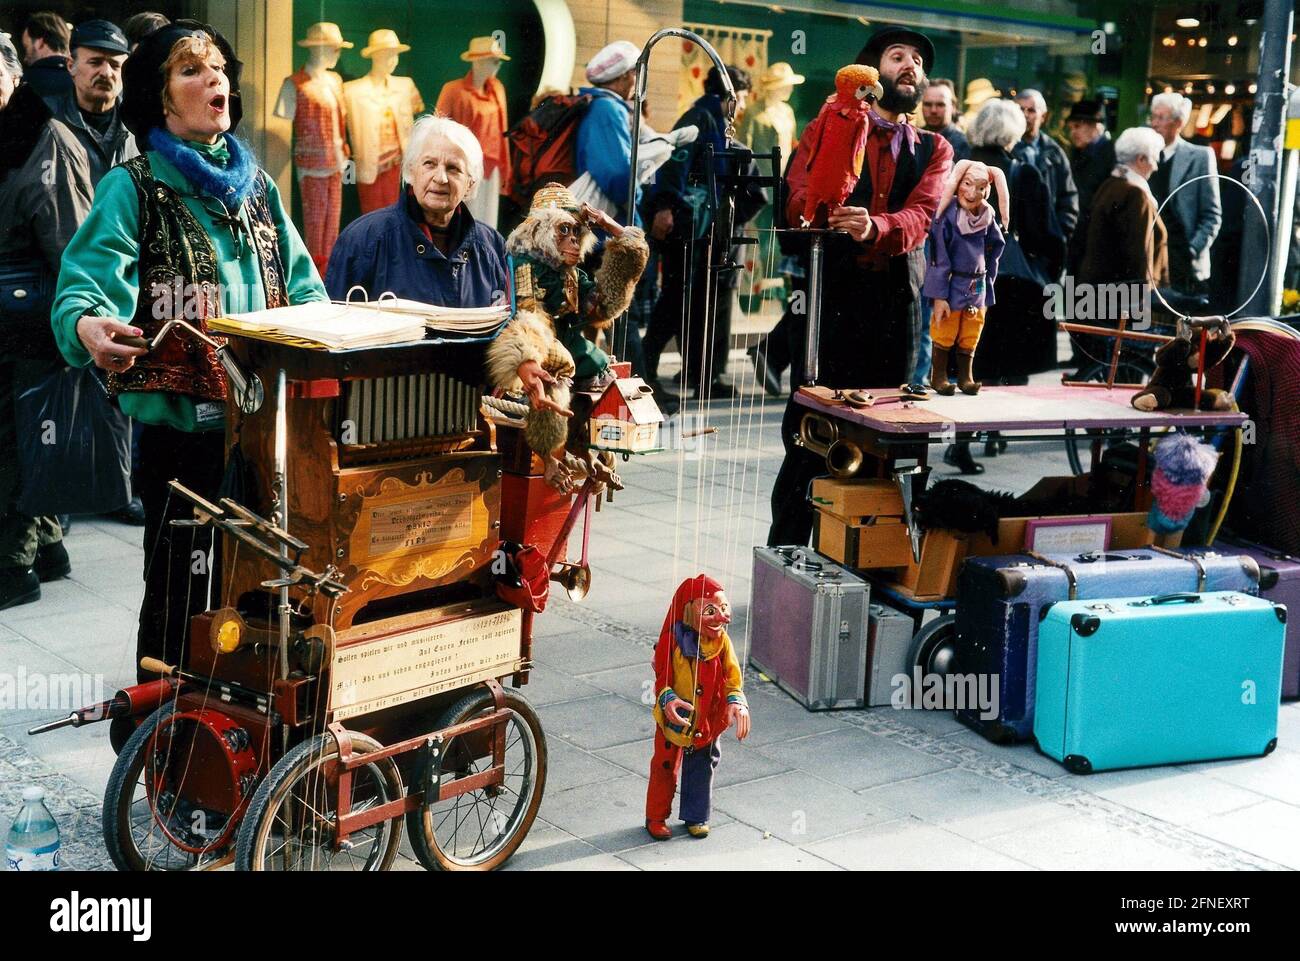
column 658, row 830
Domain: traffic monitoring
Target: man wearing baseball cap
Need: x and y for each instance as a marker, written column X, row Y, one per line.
column 54, row 153
column 604, row 147
column 871, row 308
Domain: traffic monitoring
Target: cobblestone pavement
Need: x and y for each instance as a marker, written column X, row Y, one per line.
column 807, row 791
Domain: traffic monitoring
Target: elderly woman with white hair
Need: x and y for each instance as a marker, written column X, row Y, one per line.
column 1127, row 241
column 426, row 246
column 1022, row 339
column 1126, row 237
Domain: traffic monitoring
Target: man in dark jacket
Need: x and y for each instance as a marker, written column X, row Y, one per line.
column 672, row 208
column 1037, row 148
column 53, row 154
column 871, row 312
column 1091, row 162
column 45, row 53
column 937, row 107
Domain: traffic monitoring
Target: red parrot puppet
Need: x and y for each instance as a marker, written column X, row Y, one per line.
column 839, row 142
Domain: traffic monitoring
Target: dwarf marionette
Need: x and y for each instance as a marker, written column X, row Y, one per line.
column 965, row 245
column 560, row 309
column 699, row 695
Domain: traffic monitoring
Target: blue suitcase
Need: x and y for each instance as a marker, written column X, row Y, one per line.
column 1171, row 679
column 1000, row 601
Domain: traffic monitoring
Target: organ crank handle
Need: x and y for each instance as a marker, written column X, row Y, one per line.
column 246, row 388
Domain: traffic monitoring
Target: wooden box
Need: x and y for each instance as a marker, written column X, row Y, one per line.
column 935, row 577
column 857, row 498
column 882, row 543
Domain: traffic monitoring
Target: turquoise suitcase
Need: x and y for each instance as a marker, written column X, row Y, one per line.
column 1171, row 679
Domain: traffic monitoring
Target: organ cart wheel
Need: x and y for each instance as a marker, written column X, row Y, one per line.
column 147, row 823
column 289, row 823
column 479, row 830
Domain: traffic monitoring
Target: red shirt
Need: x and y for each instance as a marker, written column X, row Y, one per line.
column 894, row 233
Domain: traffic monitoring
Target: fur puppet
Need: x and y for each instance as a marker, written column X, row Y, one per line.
column 957, row 505
column 556, row 302
column 1173, row 385
column 839, row 142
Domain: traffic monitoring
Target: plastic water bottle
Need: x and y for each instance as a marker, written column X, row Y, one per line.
column 33, row 842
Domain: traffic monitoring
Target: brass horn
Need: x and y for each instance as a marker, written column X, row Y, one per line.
column 826, row 438
column 574, row 578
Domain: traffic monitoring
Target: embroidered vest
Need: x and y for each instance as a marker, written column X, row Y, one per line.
column 174, row 249
column 318, row 121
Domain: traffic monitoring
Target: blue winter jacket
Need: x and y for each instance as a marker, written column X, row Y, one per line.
column 605, row 144
column 386, row 250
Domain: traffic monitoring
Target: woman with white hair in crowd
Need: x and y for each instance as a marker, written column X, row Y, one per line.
column 1126, row 241
column 426, row 246
column 11, row 69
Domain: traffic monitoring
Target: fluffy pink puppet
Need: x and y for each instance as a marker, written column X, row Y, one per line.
column 839, row 142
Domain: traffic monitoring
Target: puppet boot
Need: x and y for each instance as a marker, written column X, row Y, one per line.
column 939, row 370
column 658, row 830
column 967, row 383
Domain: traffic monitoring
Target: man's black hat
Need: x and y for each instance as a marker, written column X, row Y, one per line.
column 100, row 34
column 886, row 37
column 1089, row 111
column 142, row 79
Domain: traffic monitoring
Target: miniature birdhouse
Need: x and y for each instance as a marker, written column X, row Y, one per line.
column 626, row 419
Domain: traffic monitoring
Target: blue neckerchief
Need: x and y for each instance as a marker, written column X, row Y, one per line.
column 688, row 642
column 230, row 184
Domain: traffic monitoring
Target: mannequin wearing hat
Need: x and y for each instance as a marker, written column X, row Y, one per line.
column 313, row 99
column 977, row 92
column 478, row 100
column 773, row 124
column 380, row 110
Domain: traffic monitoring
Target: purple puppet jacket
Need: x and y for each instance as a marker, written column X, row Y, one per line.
column 962, row 267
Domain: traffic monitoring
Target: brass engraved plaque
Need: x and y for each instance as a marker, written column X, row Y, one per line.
column 403, row 667
column 416, row 525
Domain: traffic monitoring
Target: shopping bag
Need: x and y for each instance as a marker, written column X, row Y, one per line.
column 74, row 445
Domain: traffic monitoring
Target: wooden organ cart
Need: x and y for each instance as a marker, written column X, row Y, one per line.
column 354, row 677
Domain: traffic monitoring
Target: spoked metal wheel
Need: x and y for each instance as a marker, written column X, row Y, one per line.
column 479, row 830
column 148, row 823
column 1131, row 370
column 290, row 824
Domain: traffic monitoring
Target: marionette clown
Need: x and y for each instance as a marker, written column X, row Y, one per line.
column 965, row 246
column 557, row 302
column 699, row 684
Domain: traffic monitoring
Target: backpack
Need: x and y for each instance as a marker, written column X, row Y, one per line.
column 543, row 145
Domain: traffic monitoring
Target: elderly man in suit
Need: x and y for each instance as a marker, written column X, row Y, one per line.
column 1194, row 215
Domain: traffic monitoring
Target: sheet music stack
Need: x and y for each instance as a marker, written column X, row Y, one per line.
column 344, row 326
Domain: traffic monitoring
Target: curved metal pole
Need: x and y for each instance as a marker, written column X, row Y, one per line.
column 642, row 69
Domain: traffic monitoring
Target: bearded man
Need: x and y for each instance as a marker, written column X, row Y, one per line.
column 871, row 305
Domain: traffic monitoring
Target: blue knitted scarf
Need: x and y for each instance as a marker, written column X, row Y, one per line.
column 230, row 183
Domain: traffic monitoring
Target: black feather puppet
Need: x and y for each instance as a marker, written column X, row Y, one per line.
column 957, row 505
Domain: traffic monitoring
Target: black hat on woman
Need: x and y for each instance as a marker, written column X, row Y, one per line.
column 142, row 77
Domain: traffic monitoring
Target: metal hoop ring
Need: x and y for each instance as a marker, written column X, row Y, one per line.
column 1267, row 233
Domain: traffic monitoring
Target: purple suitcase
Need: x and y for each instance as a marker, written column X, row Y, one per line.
column 1000, row 601
column 1279, row 581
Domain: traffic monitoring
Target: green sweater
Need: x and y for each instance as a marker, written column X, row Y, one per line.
column 100, row 276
